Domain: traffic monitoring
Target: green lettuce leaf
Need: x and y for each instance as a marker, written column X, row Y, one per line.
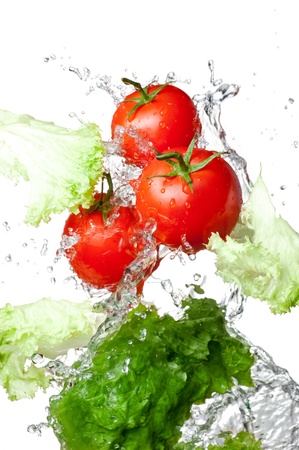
column 62, row 165
column 145, row 377
column 262, row 253
column 49, row 327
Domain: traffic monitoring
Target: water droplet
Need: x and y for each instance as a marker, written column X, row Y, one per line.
column 162, row 124
column 125, row 368
column 6, row 226
column 196, row 277
column 171, row 77
column 76, row 71
column 50, row 269
column 37, row 358
column 295, row 144
column 90, row 90
column 142, row 335
column 8, row 258
column 283, row 187
column 162, row 191
column 44, row 248
column 53, row 280
column 167, row 286
column 186, row 188
column 291, row 101
column 32, row 429
column 110, row 375
column 212, row 79
column 187, row 204
column 37, row 429
column 24, row 244
column 172, row 203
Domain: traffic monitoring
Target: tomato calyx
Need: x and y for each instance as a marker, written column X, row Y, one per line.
column 102, row 202
column 181, row 164
column 145, row 96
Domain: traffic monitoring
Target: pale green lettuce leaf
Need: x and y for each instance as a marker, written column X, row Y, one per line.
column 62, row 165
column 49, row 327
column 262, row 253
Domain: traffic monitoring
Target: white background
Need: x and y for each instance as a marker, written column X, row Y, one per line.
column 253, row 44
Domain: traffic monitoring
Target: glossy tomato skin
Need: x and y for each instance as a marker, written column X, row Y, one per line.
column 169, row 120
column 185, row 219
column 101, row 253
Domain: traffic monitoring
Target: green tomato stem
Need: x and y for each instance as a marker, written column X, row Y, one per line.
column 137, row 86
column 103, row 204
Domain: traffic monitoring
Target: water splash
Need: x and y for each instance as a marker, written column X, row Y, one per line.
column 270, row 410
column 214, row 135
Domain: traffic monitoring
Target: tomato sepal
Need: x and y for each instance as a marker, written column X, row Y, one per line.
column 144, row 98
column 181, row 166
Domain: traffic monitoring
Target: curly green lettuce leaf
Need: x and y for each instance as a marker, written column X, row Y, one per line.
column 62, row 165
column 145, row 377
column 49, row 327
column 262, row 253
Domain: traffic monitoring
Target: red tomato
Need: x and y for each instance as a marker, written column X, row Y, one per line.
column 101, row 253
column 169, row 120
column 184, row 218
